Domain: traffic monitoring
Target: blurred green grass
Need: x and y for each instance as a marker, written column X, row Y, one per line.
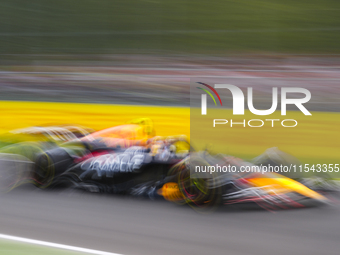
column 186, row 26
column 18, row 248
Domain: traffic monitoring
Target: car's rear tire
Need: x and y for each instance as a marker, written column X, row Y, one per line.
column 51, row 164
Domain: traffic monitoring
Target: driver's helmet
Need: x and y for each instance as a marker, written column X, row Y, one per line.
column 147, row 125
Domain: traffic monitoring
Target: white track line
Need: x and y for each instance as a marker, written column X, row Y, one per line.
column 55, row 245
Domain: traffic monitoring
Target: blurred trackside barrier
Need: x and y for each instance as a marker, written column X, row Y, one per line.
column 167, row 120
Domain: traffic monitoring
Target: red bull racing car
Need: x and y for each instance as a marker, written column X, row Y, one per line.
column 129, row 159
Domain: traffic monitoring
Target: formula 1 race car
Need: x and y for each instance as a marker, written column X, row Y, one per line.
column 130, row 159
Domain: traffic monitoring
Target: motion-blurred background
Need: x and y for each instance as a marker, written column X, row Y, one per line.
column 168, row 27
column 104, row 45
column 144, row 52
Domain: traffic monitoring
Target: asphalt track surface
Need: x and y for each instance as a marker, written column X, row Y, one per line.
column 128, row 225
